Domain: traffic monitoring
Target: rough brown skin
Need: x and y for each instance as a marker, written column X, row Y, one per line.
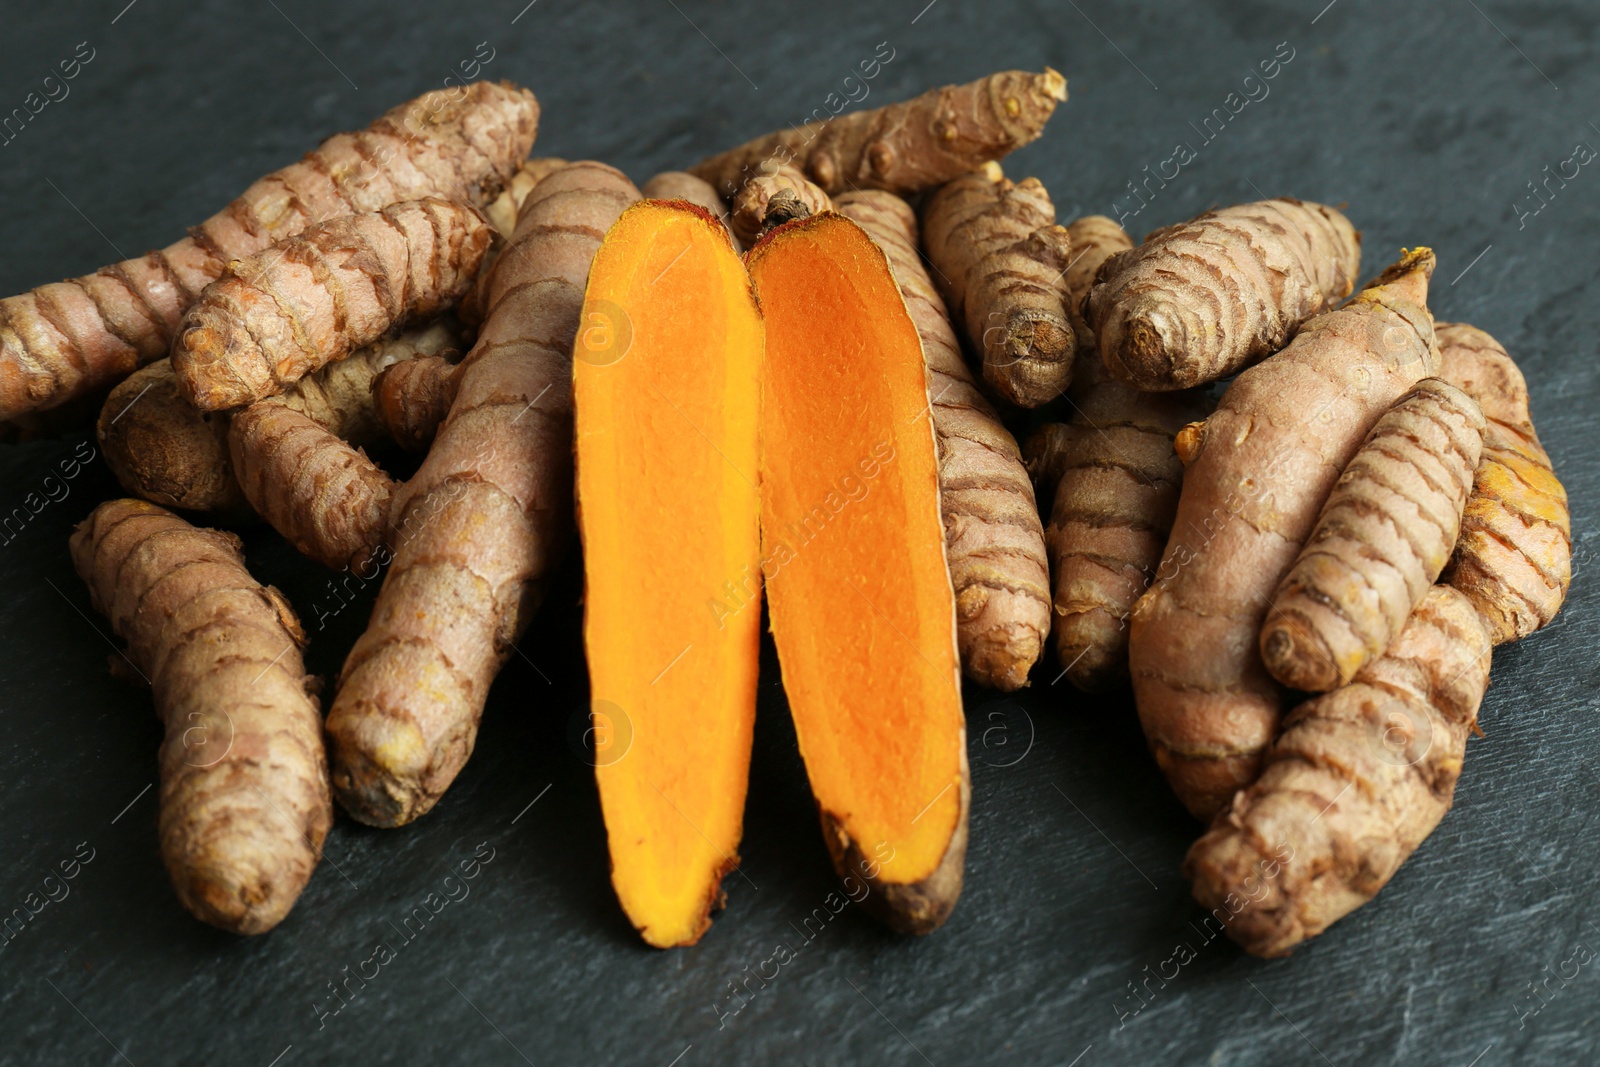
column 72, row 338
column 164, row 449
column 1514, row 558
column 1359, row 777
column 281, row 314
column 480, row 526
column 413, row 398
column 681, row 185
column 993, row 536
column 1256, row 477
column 1205, row 298
column 502, row 215
column 1108, row 479
column 244, row 783
column 769, row 200
column 904, row 147
column 920, row 907
column 1002, row 264
column 1383, row 537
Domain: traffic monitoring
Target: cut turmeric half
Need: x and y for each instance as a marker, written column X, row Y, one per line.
column 859, row 594
column 667, row 375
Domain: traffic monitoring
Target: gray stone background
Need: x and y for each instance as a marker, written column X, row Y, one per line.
column 1429, row 119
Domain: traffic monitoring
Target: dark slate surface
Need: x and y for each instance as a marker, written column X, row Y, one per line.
column 1429, row 119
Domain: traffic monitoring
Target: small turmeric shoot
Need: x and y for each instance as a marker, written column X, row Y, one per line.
column 667, row 390
column 861, row 604
column 244, row 782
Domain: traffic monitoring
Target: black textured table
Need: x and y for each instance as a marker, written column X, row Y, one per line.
column 1429, row 120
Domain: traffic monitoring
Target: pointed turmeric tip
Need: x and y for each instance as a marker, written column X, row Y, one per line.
column 1053, row 83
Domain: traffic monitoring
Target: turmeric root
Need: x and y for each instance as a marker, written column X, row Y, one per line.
column 1202, row 299
column 1384, row 535
column 299, row 460
column 414, row 397
column 480, row 526
column 1257, row 473
column 1359, row 777
column 164, row 449
column 769, row 200
column 1109, row 481
column 681, row 185
column 244, row 783
column 71, row 338
column 278, row 315
column 667, row 390
column 994, row 538
column 1514, row 559
column 1002, row 262
column 860, row 599
column 502, row 215
column 904, row 147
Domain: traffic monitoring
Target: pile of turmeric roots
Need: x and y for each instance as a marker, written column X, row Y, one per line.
column 1295, row 524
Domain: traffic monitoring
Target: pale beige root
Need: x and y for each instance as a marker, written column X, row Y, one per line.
column 993, row 536
column 502, row 215
column 907, row 908
column 1002, row 262
column 1514, row 558
column 1202, row 299
column 1259, row 471
column 244, row 782
column 300, row 460
column 1384, row 536
column 71, row 338
column 1110, row 482
column 681, row 185
column 904, row 147
column 164, row 449
column 478, row 529
column 283, row 313
column 771, row 199
column 411, row 399
column 1357, row 780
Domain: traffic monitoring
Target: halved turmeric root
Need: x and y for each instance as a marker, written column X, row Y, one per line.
column 667, row 385
column 860, row 598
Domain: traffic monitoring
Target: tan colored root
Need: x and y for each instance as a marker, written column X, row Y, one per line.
column 244, row 783
column 681, row 185
column 69, row 339
column 1383, row 537
column 279, row 315
column 413, row 398
column 1357, row 780
column 770, row 200
column 1203, row 299
column 478, row 529
column 1259, row 471
column 904, row 147
column 1514, row 558
column 1002, row 264
column 993, row 536
column 502, row 215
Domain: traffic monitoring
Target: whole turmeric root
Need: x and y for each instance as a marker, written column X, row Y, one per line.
column 1385, row 534
column 480, row 526
column 767, row 201
column 1514, row 558
column 1109, row 481
column 1002, row 262
column 71, row 338
column 904, row 147
column 502, row 215
column 165, row 450
column 681, row 185
column 1257, row 474
column 994, row 540
column 1358, row 778
column 1202, row 299
column 278, row 315
column 413, row 398
column 244, row 783
column 298, row 462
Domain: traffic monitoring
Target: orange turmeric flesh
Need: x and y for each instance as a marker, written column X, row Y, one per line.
column 858, row 590
column 667, row 381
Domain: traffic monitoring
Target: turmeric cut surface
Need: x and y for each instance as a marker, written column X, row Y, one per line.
column 667, row 385
column 859, row 594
